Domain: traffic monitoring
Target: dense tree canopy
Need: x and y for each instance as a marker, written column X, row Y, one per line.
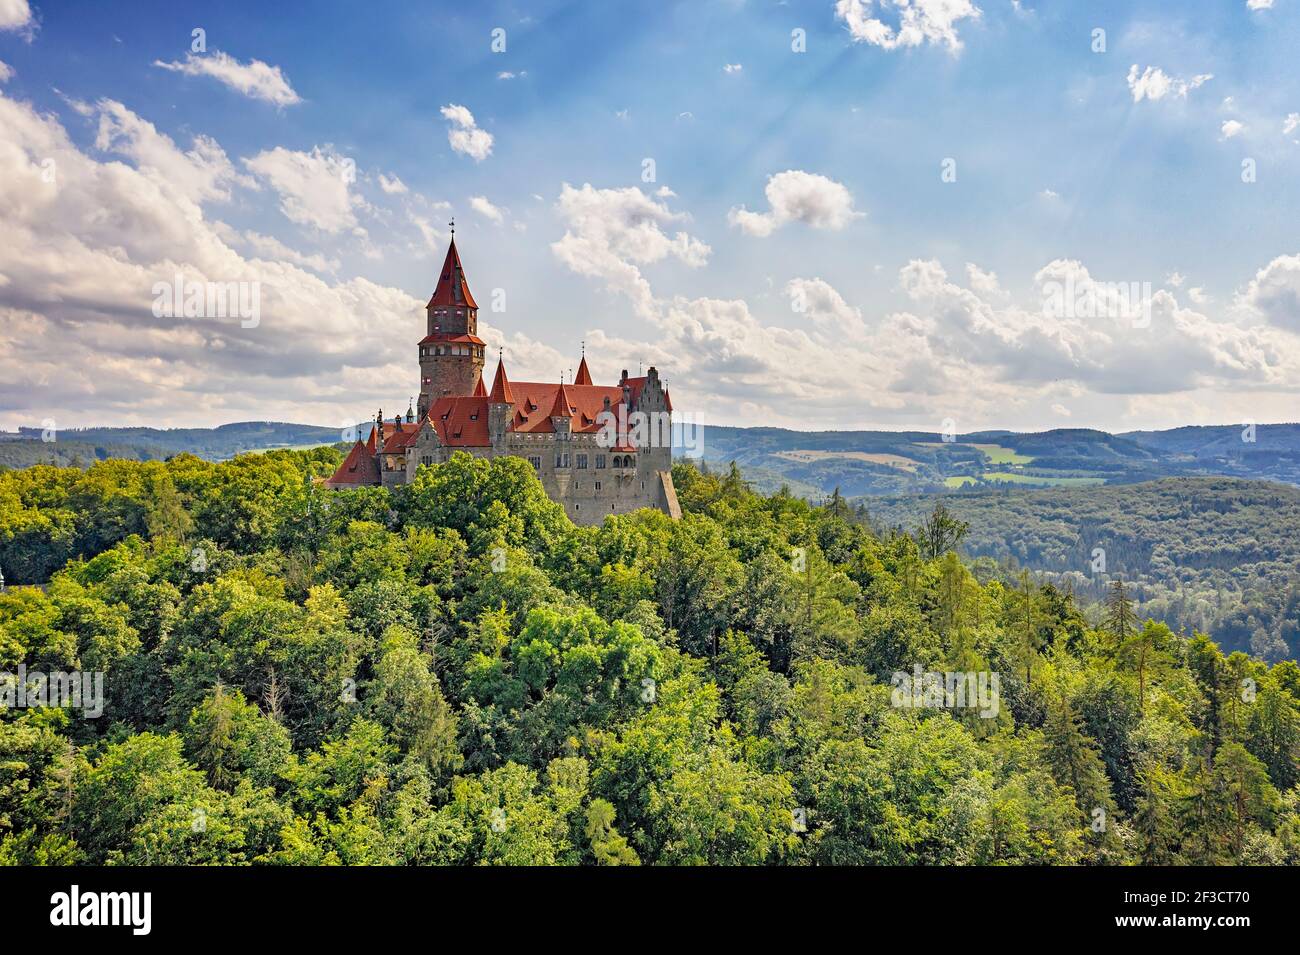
column 453, row 673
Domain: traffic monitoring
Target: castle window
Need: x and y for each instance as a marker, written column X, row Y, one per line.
column 562, row 460
column 597, row 485
column 427, row 460
column 582, row 462
column 536, row 462
column 600, row 461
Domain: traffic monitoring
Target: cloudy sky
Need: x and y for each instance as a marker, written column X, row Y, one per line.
column 811, row 214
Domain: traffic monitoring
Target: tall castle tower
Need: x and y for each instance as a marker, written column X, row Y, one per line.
column 451, row 353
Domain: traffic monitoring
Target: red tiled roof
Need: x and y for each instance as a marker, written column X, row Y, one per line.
column 357, row 469
column 450, row 281
column 396, row 437
column 501, row 390
column 584, row 373
column 562, row 407
column 443, row 338
column 461, row 421
column 536, row 401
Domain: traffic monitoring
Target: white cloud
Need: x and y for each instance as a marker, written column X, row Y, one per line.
column 1290, row 124
column 190, row 178
column 313, row 186
column 269, row 247
column 610, row 233
column 1050, row 195
column 1231, row 128
column 797, row 196
column 1155, row 84
column 464, row 135
column 393, row 186
column 1259, row 4
column 732, row 68
column 255, row 79
column 832, row 318
column 6, row 72
column 14, row 14
column 78, row 338
column 1274, row 293
column 1175, row 279
column 918, row 22
column 484, row 207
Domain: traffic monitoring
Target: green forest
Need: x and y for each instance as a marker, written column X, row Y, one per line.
column 1211, row 554
column 452, row 673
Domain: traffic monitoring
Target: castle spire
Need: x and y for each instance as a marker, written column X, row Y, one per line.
column 584, row 373
column 452, row 288
column 562, row 407
column 479, row 390
column 501, row 384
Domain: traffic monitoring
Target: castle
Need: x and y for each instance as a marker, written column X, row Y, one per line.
column 598, row 449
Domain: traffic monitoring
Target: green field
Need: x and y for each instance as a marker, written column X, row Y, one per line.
column 997, row 454
column 1033, row 480
column 1042, row 481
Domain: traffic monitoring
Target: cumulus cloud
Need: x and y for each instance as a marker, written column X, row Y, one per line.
column 6, row 72
column 1155, row 84
column 1259, row 4
column 464, row 135
column 393, row 186
column 1274, row 293
column 83, row 251
column 732, row 68
column 797, row 196
column 15, row 14
column 313, row 187
column 917, row 21
column 1231, row 128
column 610, row 233
column 254, row 79
column 484, row 207
column 1290, row 124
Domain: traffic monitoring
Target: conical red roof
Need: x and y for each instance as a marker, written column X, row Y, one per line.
column 584, row 374
column 452, row 288
column 501, row 385
column 562, row 408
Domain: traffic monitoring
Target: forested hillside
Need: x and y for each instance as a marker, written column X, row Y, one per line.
column 455, row 674
column 83, row 446
column 1219, row 555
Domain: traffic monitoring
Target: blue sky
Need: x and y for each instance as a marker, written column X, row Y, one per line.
column 797, row 259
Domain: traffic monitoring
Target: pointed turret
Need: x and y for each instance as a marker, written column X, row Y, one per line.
column 501, row 385
column 584, row 373
column 562, row 406
column 479, row 390
column 452, row 288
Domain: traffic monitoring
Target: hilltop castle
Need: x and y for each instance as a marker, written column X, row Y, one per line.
column 598, row 449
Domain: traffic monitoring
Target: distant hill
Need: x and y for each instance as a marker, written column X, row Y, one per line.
column 1218, row 555
column 883, row 463
column 83, row 446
